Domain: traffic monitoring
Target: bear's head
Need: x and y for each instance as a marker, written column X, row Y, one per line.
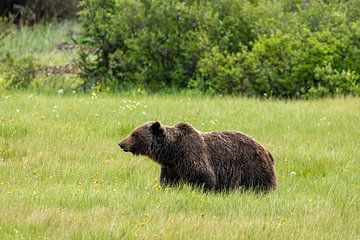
column 142, row 138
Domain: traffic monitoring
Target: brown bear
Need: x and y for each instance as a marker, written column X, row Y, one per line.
column 212, row 160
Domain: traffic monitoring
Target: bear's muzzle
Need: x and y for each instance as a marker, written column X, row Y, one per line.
column 123, row 146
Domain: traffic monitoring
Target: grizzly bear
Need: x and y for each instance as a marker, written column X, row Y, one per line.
column 212, row 160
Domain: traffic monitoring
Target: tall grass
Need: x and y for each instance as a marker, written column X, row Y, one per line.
column 41, row 40
column 63, row 177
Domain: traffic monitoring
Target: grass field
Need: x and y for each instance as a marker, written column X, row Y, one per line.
column 62, row 175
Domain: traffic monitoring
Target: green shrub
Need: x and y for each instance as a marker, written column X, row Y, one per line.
column 220, row 72
column 18, row 72
column 351, row 37
column 155, row 43
column 332, row 82
column 278, row 48
column 284, row 64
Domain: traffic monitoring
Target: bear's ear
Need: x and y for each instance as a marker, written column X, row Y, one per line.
column 156, row 128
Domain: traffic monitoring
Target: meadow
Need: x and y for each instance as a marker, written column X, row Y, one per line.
column 62, row 175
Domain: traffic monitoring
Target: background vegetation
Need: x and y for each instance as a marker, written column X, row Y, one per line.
column 274, row 48
column 62, row 176
column 283, row 49
column 39, row 56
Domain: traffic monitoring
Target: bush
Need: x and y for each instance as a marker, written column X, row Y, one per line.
column 18, row 72
column 284, row 64
column 154, row 43
column 332, row 82
column 220, row 72
column 279, row 49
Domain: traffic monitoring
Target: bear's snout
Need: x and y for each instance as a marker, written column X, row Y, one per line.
column 123, row 146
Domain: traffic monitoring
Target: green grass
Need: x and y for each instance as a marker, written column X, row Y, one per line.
column 63, row 177
column 40, row 41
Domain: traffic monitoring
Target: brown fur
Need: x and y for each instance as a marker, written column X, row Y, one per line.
column 213, row 160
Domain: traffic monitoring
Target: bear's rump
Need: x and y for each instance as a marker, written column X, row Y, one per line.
column 235, row 160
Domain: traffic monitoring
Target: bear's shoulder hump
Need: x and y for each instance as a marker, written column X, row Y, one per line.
column 185, row 127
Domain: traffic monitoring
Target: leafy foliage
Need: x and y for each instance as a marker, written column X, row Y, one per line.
column 281, row 49
column 18, row 72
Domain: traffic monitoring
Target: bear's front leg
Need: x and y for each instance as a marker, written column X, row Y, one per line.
column 204, row 178
column 168, row 176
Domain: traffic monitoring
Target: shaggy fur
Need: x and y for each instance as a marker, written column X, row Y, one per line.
column 213, row 160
